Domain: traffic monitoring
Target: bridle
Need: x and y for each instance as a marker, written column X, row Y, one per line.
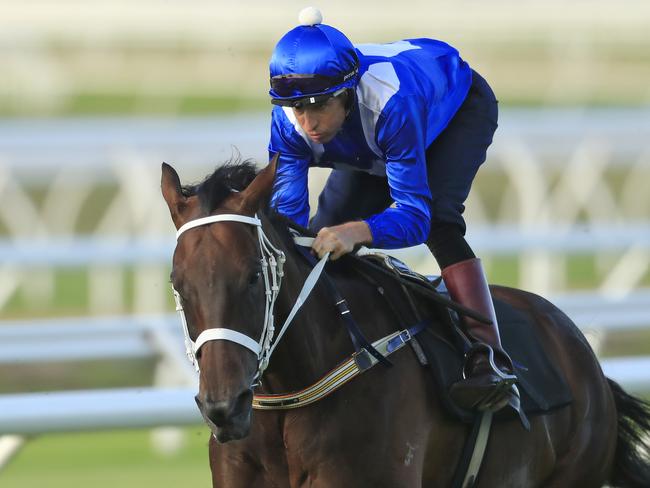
column 272, row 260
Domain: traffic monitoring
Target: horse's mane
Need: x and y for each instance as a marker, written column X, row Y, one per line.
column 233, row 175
column 236, row 175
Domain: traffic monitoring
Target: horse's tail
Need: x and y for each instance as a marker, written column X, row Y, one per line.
column 632, row 458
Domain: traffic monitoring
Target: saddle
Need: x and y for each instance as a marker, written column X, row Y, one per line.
column 542, row 386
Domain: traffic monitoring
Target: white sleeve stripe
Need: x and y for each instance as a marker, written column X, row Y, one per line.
column 375, row 89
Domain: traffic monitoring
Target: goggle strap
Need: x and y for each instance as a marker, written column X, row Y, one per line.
column 296, row 102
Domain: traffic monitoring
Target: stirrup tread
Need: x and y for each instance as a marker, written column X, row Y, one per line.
column 497, row 396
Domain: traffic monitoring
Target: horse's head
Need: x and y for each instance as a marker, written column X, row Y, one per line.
column 217, row 276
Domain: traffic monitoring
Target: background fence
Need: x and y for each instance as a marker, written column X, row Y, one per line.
column 556, row 183
column 578, row 193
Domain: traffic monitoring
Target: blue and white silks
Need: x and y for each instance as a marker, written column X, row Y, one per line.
column 408, row 92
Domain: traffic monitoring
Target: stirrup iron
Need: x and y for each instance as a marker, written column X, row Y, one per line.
column 509, row 378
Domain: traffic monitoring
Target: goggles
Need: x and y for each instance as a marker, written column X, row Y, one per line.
column 306, row 88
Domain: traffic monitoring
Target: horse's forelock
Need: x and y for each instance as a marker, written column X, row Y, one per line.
column 216, row 187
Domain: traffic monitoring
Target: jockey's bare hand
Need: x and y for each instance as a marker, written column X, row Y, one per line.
column 341, row 239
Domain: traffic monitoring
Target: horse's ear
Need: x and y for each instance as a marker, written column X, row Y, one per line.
column 260, row 188
column 170, row 185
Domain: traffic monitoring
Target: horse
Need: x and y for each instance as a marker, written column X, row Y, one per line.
column 385, row 428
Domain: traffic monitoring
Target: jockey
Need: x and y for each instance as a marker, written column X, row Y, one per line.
column 405, row 127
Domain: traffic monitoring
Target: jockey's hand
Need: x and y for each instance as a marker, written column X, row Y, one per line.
column 341, row 239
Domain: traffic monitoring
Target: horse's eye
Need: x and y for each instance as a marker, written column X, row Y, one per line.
column 254, row 277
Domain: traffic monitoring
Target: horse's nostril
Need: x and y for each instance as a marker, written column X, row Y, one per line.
column 219, row 412
column 224, row 412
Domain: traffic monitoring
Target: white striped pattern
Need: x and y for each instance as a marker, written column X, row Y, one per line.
column 375, row 89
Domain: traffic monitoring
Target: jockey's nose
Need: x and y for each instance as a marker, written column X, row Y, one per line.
column 310, row 121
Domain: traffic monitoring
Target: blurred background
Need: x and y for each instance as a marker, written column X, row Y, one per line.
column 94, row 95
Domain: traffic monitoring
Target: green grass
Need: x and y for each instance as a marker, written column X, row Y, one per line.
column 116, row 459
column 70, row 297
column 135, row 103
column 626, row 343
column 196, row 104
column 76, row 375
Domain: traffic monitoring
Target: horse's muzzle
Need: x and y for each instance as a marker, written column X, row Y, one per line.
column 228, row 419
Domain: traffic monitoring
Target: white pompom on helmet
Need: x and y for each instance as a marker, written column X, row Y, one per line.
column 311, row 62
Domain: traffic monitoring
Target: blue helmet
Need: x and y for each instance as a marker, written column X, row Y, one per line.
column 310, row 64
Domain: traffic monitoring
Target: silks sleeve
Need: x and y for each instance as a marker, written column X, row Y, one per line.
column 290, row 191
column 401, row 135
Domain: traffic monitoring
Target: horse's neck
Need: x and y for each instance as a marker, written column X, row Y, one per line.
column 315, row 341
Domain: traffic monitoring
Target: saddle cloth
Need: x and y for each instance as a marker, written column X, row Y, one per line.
column 542, row 386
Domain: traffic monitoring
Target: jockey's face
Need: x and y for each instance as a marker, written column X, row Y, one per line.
column 321, row 122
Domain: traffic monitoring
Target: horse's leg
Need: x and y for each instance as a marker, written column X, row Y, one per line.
column 372, row 433
column 567, row 448
column 588, row 457
column 376, row 466
column 251, row 462
column 259, row 460
column 513, row 457
column 231, row 468
column 575, row 445
column 519, row 458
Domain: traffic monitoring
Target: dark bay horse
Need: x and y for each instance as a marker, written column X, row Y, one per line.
column 385, row 428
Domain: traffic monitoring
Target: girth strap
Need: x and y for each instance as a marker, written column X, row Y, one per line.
column 471, row 458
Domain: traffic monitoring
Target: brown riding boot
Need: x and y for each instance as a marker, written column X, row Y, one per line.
column 488, row 374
